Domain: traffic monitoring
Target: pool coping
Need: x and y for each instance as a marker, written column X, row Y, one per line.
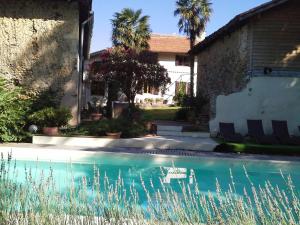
column 154, row 142
column 84, row 151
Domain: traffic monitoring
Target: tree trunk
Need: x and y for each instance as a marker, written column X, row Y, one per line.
column 192, row 65
column 130, row 99
column 113, row 89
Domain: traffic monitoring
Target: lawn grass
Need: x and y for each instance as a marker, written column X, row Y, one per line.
column 252, row 148
column 162, row 113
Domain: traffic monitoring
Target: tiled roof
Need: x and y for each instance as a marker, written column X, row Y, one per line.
column 169, row 44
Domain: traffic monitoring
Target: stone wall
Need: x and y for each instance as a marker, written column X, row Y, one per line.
column 222, row 67
column 39, row 46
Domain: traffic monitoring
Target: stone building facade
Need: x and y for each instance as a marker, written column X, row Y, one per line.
column 250, row 68
column 40, row 45
column 222, row 68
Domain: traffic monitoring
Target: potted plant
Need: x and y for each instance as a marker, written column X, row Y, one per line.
column 51, row 119
column 113, row 128
column 96, row 113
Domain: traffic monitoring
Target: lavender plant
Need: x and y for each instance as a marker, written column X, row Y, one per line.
column 98, row 201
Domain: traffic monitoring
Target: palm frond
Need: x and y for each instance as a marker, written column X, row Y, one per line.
column 131, row 29
column 193, row 16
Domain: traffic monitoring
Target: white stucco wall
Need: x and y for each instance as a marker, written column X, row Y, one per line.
column 265, row 98
column 176, row 73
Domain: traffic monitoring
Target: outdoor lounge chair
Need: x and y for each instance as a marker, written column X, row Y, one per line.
column 256, row 132
column 227, row 132
column 281, row 132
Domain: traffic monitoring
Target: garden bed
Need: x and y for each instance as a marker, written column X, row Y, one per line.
column 129, row 129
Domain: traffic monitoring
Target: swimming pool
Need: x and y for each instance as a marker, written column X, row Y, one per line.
column 166, row 180
column 168, row 169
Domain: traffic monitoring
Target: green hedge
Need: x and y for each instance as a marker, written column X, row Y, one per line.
column 259, row 149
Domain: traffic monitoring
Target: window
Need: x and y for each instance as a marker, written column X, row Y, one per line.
column 182, row 88
column 151, row 90
column 182, row 60
column 98, row 88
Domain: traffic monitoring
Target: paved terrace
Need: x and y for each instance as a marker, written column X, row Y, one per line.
column 166, row 142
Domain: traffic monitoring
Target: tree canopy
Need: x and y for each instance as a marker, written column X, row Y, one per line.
column 131, row 30
column 132, row 70
column 193, row 17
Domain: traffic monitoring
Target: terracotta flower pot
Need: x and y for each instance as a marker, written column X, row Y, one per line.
column 114, row 135
column 96, row 116
column 50, row 131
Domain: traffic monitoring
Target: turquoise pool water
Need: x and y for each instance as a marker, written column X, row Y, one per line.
column 171, row 170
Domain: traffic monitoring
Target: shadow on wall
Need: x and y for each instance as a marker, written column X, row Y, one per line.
column 265, row 98
column 40, row 47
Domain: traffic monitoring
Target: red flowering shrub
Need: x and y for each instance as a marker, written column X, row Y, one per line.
column 131, row 70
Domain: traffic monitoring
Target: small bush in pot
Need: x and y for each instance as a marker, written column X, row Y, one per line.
column 112, row 128
column 50, row 119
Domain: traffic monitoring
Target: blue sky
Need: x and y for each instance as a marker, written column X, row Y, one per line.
column 161, row 16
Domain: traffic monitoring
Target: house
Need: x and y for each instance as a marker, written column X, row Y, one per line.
column 250, row 68
column 43, row 44
column 172, row 53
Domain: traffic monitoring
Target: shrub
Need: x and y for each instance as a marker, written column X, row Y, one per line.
column 132, row 129
column 181, row 99
column 111, row 126
column 45, row 99
column 182, row 114
column 129, row 128
column 51, row 117
column 14, row 109
column 191, row 107
column 132, row 123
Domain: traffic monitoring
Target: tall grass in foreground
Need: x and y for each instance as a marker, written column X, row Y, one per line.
column 39, row 201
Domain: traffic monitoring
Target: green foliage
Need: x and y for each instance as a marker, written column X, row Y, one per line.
column 51, row 117
column 193, row 17
column 129, row 128
column 39, row 201
column 131, row 29
column 85, row 129
column 132, row 123
column 251, row 148
column 181, row 99
column 191, row 107
column 14, row 109
column 161, row 113
column 182, row 114
column 45, row 99
column 111, row 126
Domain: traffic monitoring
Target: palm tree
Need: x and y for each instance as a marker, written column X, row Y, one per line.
column 131, row 30
column 194, row 15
